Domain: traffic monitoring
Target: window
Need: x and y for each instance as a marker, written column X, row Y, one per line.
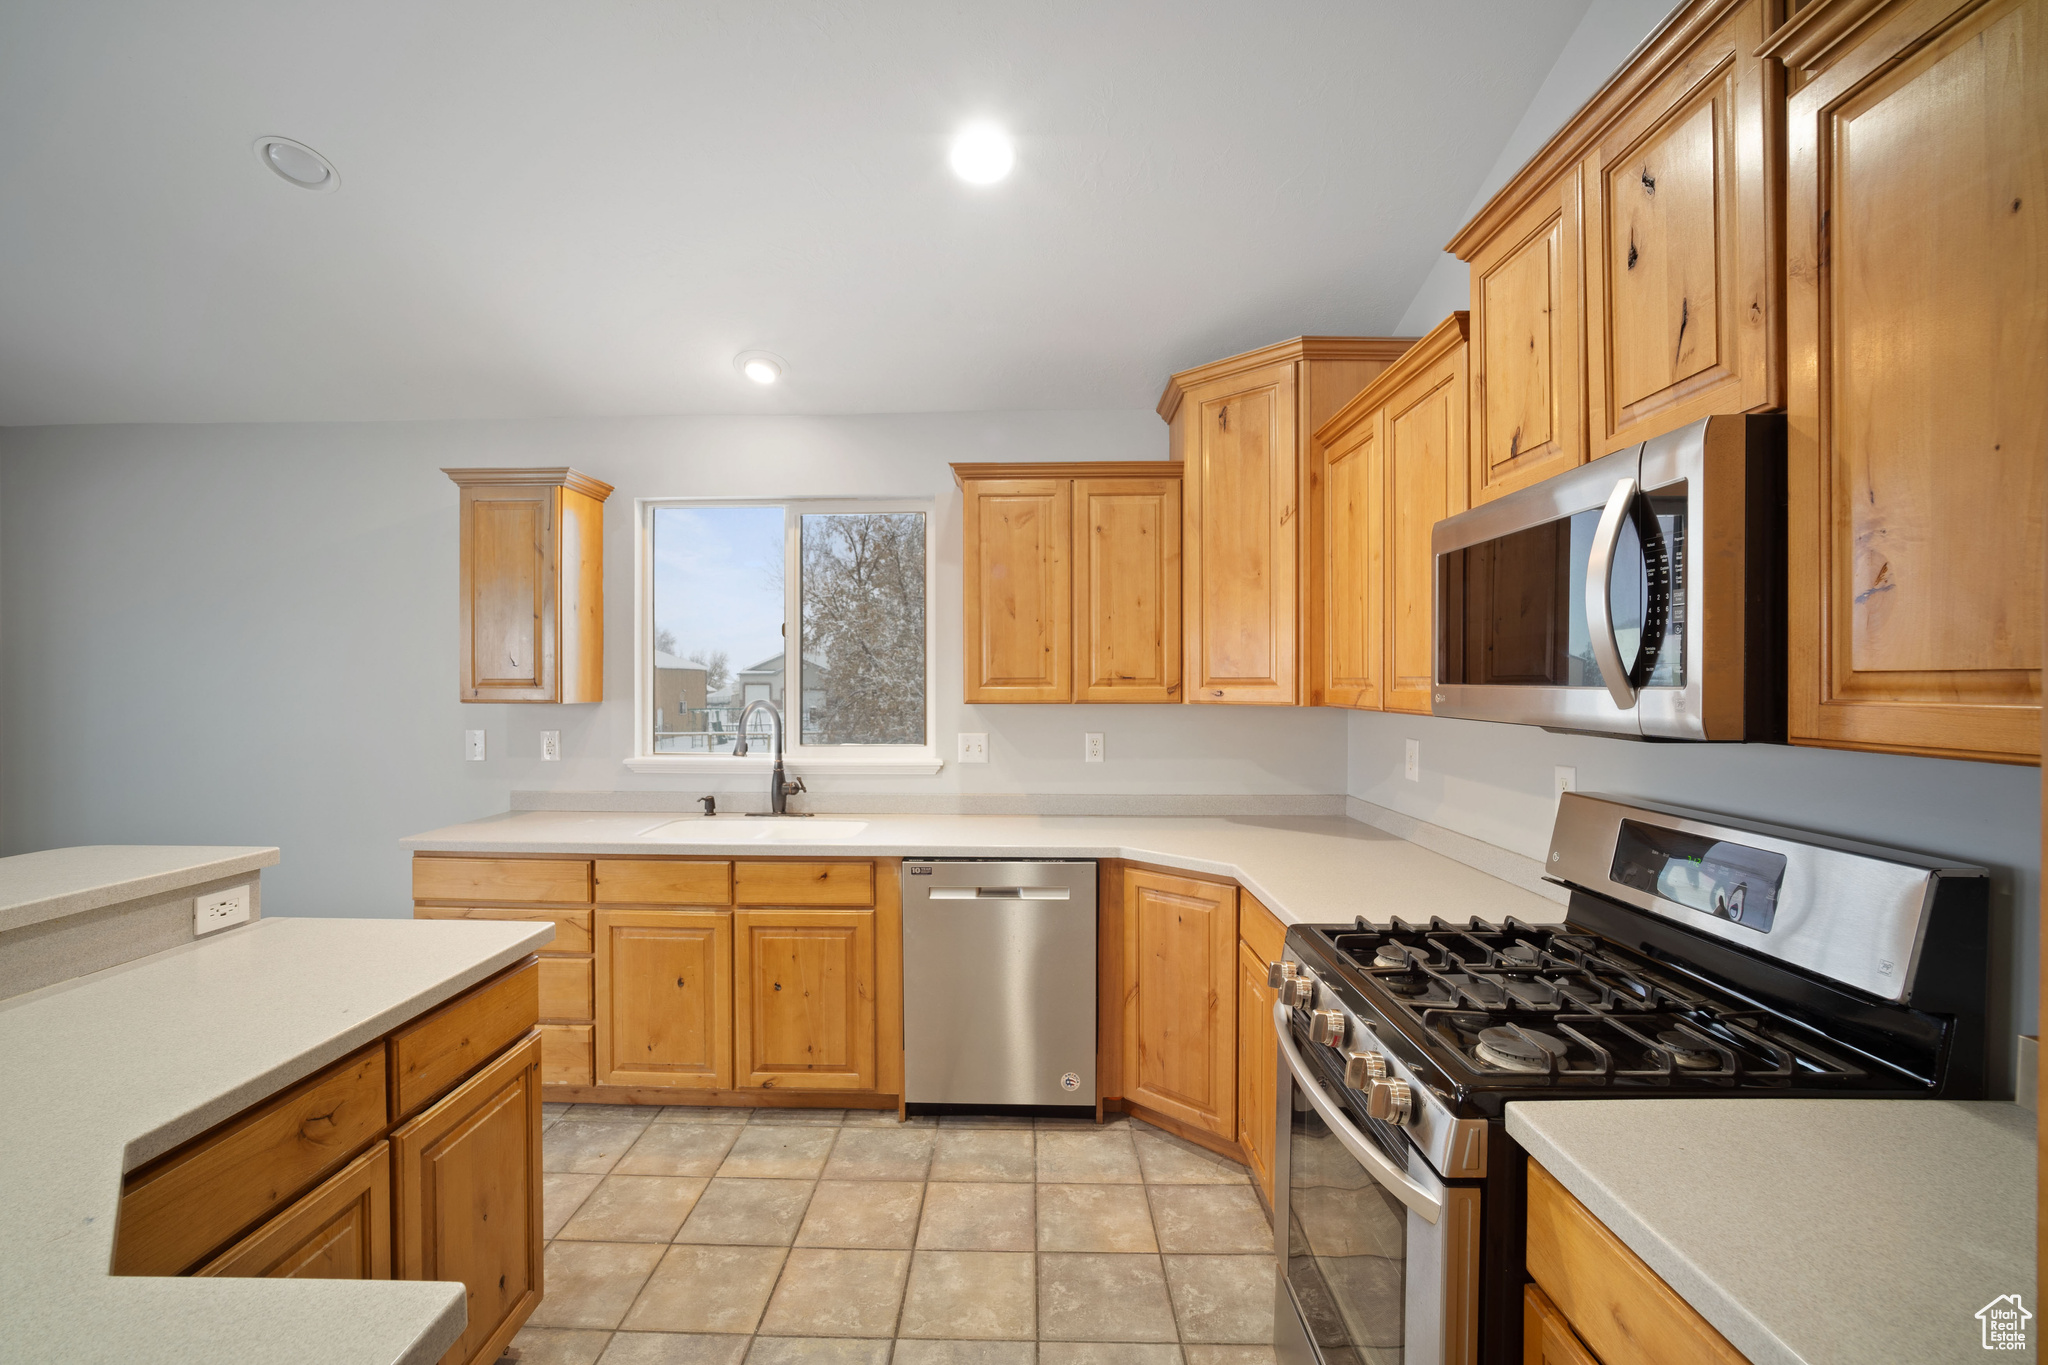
column 731, row 593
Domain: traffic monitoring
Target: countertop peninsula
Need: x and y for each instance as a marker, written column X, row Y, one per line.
column 56, row 882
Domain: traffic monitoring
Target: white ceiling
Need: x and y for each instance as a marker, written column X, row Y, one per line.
column 556, row 209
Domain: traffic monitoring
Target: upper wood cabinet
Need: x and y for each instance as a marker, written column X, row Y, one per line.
column 532, row 573
column 1241, row 428
column 1395, row 463
column 1072, row 582
column 1917, row 432
column 1180, row 964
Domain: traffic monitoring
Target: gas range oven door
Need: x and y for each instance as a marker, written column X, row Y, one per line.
column 1379, row 1256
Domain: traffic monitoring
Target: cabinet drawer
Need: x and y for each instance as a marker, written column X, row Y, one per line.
column 552, row 880
column 786, row 882
column 250, row 1169
column 341, row 1231
column 572, row 927
column 565, row 988
column 1259, row 928
column 622, row 881
column 1625, row 1312
column 439, row 1050
column 568, row 1054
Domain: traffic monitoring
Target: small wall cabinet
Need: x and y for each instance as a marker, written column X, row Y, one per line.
column 1072, row 582
column 532, row 585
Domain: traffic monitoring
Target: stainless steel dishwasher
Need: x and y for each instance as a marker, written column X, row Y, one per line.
column 999, row 982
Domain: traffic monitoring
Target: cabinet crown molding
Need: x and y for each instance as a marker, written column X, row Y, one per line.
column 1810, row 38
column 575, row 480
column 1070, row 469
column 1280, row 352
column 1666, row 46
column 1442, row 339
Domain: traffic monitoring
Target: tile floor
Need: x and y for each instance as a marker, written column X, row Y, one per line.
column 689, row 1236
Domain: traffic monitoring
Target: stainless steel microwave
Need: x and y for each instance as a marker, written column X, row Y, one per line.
column 1641, row 594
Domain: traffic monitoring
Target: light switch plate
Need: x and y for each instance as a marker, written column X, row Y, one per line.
column 973, row 747
column 220, row 909
column 551, row 746
column 1411, row 765
column 1091, row 746
column 473, row 745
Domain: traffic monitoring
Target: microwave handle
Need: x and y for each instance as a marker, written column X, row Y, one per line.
column 1600, row 591
column 1378, row 1164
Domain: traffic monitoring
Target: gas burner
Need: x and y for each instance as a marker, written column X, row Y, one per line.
column 1391, row 955
column 1690, row 1053
column 1517, row 1049
column 1520, row 955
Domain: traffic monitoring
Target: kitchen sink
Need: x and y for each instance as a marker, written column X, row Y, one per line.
column 765, row 829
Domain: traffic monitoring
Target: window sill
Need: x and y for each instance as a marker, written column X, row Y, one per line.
column 917, row 763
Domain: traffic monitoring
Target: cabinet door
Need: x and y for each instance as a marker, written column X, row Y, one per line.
column 341, row 1231
column 664, row 983
column 1180, row 1020
column 1682, row 294
column 1426, row 462
column 1918, row 335
column 1528, row 402
column 466, row 1177
column 508, row 592
column 804, row 999
column 1127, row 569
column 1354, row 522
column 1242, row 495
column 1547, row 1339
column 1018, row 564
column 1257, row 1060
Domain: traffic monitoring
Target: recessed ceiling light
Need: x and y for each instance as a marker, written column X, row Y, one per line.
column 297, row 164
column 759, row 366
column 982, row 154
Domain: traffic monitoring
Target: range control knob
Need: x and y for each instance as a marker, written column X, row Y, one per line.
column 1279, row 974
column 1389, row 1101
column 1327, row 1027
column 1299, row 990
column 1363, row 1068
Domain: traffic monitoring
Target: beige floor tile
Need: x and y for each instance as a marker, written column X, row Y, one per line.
column 1169, row 1161
column 673, row 1348
column 572, row 1147
column 1103, row 1298
column 634, row 1208
column 862, row 1213
column 818, row 1351
column 592, row 1284
column 886, row 1118
column 727, row 1115
column 1223, row 1299
column 976, row 1154
column 976, row 1217
column 910, row 1352
column 1106, row 1353
column 678, row 1149
column 747, row 1213
column 1094, row 1218
column 879, row 1154
column 985, row 1121
column 706, row 1289
column 1079, row 1125
column 801, row 1118
column 1230, row 1355
column 614, row 1113
column 1216, row 1219
column 779, row 1152
column 555, row 1111
column 560, row 1197
column 837, row 1293
column 1087, row 1158
column 559, row 1345
column 970, row 1295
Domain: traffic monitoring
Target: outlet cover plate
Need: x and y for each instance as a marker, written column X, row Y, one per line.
column 473, row 745
column 1411, row 763
column 551, row 746
column 1091, row 746
column 220, row 909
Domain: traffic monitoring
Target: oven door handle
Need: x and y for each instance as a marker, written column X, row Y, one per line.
column 1600, row 592
column 1398, row 1182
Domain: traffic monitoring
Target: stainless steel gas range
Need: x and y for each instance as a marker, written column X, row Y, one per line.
column 1699, row 956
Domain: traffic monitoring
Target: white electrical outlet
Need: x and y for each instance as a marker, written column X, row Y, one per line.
column 1411, row 765
column 473, row 745
column 973, row 747
column 219, row 909
column 1564, row 780
column 1091, row 747
column 551, row 746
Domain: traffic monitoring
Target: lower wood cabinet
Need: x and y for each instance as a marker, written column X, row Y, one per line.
column 468, row 1199
column 341, row 1231
column 1180, row 965
column 665, row 977
column 1257, row 1060
column 1547, row 1339
column 568, row 1054
column 804, row 999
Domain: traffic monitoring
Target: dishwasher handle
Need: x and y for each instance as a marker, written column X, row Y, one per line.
column 999, row 893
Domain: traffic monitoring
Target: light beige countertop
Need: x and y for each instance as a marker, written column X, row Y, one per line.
column 1305, row 869
column 57, row 882
column 1811, row 1232
column 104, row 1072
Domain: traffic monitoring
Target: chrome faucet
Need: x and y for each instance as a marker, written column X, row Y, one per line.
column 779, row 788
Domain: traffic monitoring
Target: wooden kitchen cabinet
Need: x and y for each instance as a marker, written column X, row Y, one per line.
column 1179, row 1030
column 1072, row 582
column 1917, row 338
column 1547, row 1339
column 340, row 1231
column 1242, row 429
column 1353, row 562
column 804, row 999
column 467, row 1199
column 665, row 980
column 1261, row 939
column 532, row 585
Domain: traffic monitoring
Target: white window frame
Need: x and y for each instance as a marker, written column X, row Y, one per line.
column 906, row 760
